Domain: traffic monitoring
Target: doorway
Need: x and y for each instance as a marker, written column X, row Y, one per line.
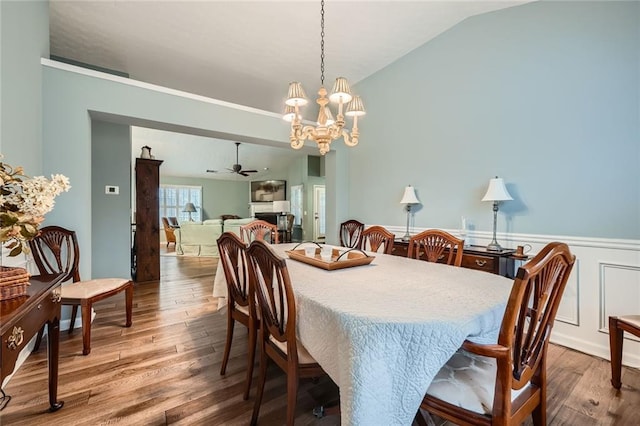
column 319, row 218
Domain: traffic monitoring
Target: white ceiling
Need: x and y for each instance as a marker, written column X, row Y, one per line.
column 247, row 52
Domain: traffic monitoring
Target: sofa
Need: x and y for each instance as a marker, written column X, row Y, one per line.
column 233, row 225
column 198, row 238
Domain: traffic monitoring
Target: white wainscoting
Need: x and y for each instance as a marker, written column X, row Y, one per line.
column 605, row 281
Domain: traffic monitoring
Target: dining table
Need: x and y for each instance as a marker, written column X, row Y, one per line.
column 382, row 331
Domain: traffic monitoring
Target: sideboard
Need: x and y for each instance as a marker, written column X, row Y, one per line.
column 21, row 318
column 475, row 257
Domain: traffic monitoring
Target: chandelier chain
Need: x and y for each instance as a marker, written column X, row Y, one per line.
column 322, row 43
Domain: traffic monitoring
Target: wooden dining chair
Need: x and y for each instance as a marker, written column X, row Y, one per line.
column 503, row 383
column 258, row 230
column 240, row 300
column 434, row 245
column 55, row 250
column 277, row 335
column 617, row 326
column 350, row 233
column 374, row 237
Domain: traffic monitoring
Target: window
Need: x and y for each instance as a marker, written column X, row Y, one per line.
column 296, row 204
column 173, row 198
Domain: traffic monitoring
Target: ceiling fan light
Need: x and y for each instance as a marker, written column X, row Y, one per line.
column 355, row 108
column 296, row 95
column 341, row 91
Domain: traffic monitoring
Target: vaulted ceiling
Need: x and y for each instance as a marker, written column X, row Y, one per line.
column 247, row 52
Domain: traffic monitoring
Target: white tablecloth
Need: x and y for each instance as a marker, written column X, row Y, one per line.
column 383, row 331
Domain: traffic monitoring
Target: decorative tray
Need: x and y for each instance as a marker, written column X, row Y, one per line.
column 340, row 259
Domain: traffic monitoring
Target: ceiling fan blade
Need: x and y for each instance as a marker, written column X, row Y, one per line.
column 250, row 171
column 243, row 174
column 211, row 171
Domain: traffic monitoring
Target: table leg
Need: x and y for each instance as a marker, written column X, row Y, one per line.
column 53, row 356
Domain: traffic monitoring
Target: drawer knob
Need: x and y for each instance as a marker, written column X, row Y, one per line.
column 481, row 262
column 16, row 338
column 56, row 296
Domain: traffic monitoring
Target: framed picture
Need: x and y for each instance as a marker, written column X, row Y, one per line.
column 268, row 190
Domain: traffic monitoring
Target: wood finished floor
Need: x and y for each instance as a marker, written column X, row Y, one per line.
column 165, row 369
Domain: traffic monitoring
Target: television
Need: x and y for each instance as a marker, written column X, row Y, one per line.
column 263, row 191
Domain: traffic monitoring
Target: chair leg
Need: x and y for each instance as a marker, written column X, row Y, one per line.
column 292, row 396
column 227, row 345
column 74, row 313
column 38, row 340
column 264, row 360
column 253, row 332
column 86, row 328
column 539, row 413
column 615, row 346
column 129, row 303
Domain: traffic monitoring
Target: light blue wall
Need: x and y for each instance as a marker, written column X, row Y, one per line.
column 218, row 196
column 24, row 38
column 110, row 144
column 545, row 95
column 68, row 99
column 298, row 174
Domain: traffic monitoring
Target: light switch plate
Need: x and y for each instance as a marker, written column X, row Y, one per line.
column 112, row 190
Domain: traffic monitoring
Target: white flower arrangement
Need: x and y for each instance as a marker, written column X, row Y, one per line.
column 23, row 203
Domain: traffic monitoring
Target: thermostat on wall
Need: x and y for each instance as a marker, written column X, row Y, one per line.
column 111, row 190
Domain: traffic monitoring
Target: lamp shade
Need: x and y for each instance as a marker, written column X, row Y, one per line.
column 409, row 196
column 355, row 108
column 189, row 208
column 296, row 95
column 281, row 206
column 289, row 113
column 341, row 91
column 497, row 191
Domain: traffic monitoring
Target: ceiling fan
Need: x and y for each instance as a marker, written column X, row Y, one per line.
column 236, row 168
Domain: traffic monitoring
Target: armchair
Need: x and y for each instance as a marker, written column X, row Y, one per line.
column 169, row 231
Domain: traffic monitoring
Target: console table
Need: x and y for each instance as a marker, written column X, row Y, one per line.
column 475, row 257
column 21, row 318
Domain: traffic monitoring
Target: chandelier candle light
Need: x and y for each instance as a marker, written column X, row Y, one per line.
column 496, row 192
column 327, row 130
column 409, row 198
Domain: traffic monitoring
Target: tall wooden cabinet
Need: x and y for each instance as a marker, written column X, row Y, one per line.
column 147, row 235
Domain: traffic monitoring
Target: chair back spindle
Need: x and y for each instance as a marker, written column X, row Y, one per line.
column 258, row 230
column 376, row 236
column 273, row 293
column 234, row 264
column 56, row 251
column 351, row 233
column 436, row 245
column 532, row 309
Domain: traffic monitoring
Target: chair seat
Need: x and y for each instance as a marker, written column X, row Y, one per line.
column 243, row 309
column 468, row 380
column 92, row 288
column 304, row 357
column 634, row 320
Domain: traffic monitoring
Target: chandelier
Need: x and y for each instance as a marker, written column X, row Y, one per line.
column 327, row 129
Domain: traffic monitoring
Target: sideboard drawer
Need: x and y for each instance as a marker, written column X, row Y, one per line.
column 400, row 250
column 480, row 263
column 474, row 257
column 15, row 338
